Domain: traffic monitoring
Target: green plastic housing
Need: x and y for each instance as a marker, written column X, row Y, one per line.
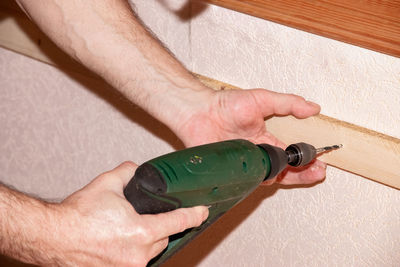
column 218, row 175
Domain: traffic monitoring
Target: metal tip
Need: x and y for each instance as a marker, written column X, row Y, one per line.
column 328, row 148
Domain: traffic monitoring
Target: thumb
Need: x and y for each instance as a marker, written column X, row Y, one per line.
column 273, row 103
column 124, row 172
column 116, row 179
column 176, row 221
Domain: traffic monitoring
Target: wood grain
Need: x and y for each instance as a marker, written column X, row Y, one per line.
column 367, row 153
column 370, row 24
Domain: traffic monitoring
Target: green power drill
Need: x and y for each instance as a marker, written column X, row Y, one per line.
column 218, row 175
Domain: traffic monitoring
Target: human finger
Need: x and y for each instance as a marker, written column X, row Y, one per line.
column 176, row 221
column 273, row 103
column 309, row 174
column 116, row 179
column 124, row 172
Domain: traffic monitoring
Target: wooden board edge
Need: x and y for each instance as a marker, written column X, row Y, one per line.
column 359, row 26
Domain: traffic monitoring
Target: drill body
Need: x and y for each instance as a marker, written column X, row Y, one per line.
column 217, row 175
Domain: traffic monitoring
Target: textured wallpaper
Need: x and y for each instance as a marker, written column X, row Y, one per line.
column 59, row 130
column 344, row 221
column 351, row 83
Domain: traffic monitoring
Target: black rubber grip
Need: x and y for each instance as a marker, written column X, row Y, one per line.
column 277, row 158
column 146, row 191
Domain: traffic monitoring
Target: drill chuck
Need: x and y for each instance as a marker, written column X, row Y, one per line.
column 300, row 154
column 296, row 155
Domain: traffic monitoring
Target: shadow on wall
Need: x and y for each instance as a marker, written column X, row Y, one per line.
column 10, row 5
column 190, row 9
column 7, row 262
column 198, row 249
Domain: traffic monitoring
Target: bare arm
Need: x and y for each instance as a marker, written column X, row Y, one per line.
column 107, row 38
column 95, row 226
column 21, row 236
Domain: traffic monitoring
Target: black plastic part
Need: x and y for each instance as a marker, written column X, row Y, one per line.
column 145, row 191
column 300, row 154
column 278, row 159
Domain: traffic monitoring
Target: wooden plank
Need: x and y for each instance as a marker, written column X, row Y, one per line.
column 367, row 23
column 367, row 153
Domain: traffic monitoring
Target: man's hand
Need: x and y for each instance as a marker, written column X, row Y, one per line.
column 104, row 228
column 240, row 114
column 95, row 226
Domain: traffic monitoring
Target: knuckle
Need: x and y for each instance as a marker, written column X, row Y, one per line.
column 297, row 97
column 129, row 164
column 145, row 235
column 100, row 181
column 103, row 178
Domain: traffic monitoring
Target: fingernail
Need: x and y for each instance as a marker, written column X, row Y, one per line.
column 314, row 168
column 204, row 211
column 205, row 214
column 322, row 165
column 313, row 104
column 318, row 166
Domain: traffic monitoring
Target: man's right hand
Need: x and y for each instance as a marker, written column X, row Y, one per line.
column 97, row 226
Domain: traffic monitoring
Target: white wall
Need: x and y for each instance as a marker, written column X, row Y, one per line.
column 59, row 131
column 347, row 220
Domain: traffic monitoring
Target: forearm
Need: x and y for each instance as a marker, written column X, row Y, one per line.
column 108, row 38
column 24, row 227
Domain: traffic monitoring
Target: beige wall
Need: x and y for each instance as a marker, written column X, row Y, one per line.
column 58, row 131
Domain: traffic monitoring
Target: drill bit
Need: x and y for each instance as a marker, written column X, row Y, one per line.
column 300, row 154
column 327, row 148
